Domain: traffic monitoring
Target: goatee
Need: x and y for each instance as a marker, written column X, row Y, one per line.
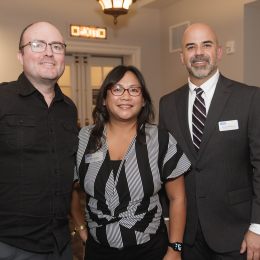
column 202, row 71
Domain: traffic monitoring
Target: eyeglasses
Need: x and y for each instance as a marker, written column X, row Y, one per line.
column 40, row 46
column 119, row 90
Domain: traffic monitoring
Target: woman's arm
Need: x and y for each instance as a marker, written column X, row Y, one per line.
column 175, row 189
column 76, row 214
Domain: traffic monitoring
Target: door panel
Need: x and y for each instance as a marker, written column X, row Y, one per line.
column 82, row 78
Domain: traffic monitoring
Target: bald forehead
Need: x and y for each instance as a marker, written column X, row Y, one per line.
column 199, row 33
column 43, row 31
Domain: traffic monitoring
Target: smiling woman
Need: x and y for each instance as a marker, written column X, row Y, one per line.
column 120, row 104
column 130, row 110
column 122, row 161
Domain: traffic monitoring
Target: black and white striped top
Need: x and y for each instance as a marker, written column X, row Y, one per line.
column 123, row 208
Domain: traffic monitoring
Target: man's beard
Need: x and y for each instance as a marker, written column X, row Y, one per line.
column 203, row 71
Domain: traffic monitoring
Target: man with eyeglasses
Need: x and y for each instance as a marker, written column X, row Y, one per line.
column 38, row 142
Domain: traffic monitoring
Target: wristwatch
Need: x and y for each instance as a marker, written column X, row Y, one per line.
column 176, row 246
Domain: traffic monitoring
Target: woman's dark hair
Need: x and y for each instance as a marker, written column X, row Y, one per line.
column 100, row 114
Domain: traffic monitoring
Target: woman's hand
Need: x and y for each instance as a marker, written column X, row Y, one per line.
column 172, row 255
column 175, row 189
column 84, row 234
column 76, row 213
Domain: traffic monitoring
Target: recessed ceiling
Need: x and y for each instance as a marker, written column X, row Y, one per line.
column 156, row 4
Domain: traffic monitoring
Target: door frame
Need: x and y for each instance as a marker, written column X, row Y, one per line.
column 131, row 54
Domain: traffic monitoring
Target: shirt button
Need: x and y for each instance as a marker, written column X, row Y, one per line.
column 21, row 121
column 53, row 150
column 51, row 129
column 56, row 171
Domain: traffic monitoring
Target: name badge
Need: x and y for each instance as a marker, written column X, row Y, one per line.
column 95, row 157
column 228, row 125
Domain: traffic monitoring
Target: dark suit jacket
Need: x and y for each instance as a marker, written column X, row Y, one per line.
column 223, row 187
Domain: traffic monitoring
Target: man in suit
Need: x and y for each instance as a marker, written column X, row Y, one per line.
column 216, row 122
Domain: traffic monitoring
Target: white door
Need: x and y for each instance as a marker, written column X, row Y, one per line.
column 81, row 80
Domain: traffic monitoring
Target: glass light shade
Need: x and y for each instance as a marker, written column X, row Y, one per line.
column 106, row 3
column 116, row 7
column 118, row 3
column 127, row 4
column 102, row 4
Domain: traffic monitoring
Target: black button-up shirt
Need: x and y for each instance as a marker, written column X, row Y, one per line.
column 37, row 156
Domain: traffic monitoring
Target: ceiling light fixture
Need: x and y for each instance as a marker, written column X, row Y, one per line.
column 116, row 7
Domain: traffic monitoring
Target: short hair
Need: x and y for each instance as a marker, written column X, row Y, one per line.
column 100, row 114
column 21, row 37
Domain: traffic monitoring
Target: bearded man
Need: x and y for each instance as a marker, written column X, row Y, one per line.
column 216, row 122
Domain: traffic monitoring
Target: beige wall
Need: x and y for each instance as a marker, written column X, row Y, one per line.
column 144, row 27
column 252, row 43
column 141, row 27
column 226, row 17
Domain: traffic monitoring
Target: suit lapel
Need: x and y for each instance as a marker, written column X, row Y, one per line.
column 219, row 100
column 182, row 104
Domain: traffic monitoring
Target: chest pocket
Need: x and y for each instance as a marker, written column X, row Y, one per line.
column 19, row 131
column 71, row 136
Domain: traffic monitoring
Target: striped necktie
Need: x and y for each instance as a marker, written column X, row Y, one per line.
column 198, row 118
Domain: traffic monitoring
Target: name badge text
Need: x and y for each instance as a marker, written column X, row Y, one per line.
column 228, row 125
column 95, row 157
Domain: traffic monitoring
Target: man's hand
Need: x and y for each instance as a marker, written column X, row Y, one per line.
column 172, row 255
column 251, row 243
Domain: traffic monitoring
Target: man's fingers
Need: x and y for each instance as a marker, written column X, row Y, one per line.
column 250, row 254
column 243, row 247
column 256, row 256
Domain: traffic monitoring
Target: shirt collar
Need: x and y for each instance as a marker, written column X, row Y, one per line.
column 58, row 93
column 26, row 88
column 207, row 86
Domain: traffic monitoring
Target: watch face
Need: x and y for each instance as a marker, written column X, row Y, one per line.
column 178, row 247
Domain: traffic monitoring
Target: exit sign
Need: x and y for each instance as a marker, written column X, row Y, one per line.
column 88, row 32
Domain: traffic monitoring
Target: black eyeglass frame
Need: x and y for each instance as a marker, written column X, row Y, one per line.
column 46, row 44
column 110, row 88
